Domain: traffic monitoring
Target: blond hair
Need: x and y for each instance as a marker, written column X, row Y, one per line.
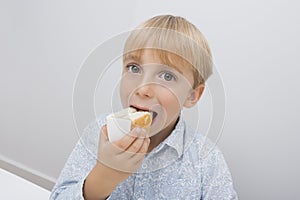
column 178, row 43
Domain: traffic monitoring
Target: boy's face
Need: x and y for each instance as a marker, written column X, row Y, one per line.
column 149, row 85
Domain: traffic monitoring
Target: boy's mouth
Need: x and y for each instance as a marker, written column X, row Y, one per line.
column 153, row 113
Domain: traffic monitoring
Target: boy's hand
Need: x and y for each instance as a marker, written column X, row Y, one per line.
column 116, row 162
column 126, row 154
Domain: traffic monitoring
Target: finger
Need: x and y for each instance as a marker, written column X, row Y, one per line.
column 136, row 145
column 142, row 151
column 145, row 146
column 126, row 141
column 104, row 132
column 103, row 135
column 132, row 161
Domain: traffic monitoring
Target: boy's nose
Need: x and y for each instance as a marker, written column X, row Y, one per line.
column 145, row 90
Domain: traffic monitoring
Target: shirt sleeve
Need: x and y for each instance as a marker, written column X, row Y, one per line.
column 217, row 181
column 83, row 158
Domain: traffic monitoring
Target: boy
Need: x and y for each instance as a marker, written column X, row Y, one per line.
column 166, row 62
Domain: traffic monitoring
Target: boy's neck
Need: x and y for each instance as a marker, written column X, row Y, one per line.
column 156, row 139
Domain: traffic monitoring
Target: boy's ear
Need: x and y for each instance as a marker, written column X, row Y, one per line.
column 194, row 96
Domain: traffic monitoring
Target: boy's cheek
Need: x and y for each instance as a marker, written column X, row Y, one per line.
column 124, row 99
column 123, row 94
column 173, row 96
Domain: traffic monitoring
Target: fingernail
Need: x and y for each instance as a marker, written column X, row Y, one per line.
column 136, row 131
column 143, row 132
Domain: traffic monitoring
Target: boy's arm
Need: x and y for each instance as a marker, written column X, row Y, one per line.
column 217, row 181
column 104, row 176
column 116, row 162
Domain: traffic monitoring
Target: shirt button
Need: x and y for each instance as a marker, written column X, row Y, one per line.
column 144, row 166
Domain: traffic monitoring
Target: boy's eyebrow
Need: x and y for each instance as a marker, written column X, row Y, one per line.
column 174, row 68
column 177, row 68
column 132, row 57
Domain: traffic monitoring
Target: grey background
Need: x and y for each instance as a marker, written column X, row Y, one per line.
column 256, row 50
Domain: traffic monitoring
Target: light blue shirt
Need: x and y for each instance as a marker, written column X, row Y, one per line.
column 186, row 165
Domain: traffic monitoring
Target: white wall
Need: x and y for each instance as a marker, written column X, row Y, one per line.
column 255, row 46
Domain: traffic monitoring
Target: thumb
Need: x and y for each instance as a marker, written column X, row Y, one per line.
column 103, row 134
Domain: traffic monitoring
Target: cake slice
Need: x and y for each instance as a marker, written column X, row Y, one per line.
column 124, row 121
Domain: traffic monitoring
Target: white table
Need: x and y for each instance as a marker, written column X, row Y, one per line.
column 15, row 187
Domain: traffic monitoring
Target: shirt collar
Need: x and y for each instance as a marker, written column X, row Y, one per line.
column 176, row 139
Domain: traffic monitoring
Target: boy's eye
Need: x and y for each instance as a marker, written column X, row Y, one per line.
column 167, row 76
column 133, row 68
